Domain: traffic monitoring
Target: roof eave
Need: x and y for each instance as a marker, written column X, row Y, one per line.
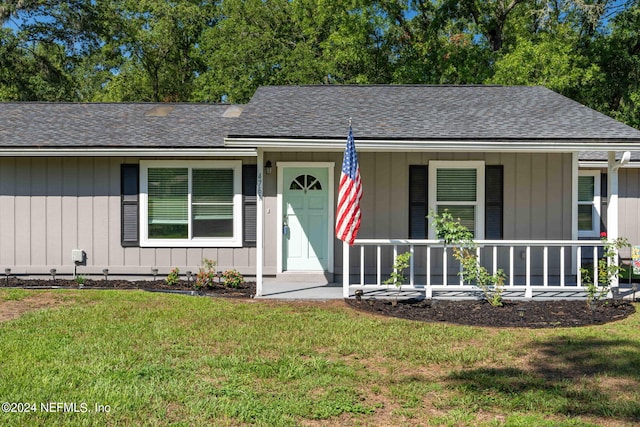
column 126, row 152
column 506, row 145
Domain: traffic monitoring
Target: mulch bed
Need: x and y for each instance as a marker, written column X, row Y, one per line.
column 529, row 314
column 248, row 290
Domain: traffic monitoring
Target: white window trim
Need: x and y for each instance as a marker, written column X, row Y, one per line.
column 220, row 242
column 479, row 166
column 596, row 203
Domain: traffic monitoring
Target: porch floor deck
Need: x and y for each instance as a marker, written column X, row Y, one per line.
column 273, row 289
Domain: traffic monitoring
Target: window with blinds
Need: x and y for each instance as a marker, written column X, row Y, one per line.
column 212, row 203
column 456, row 192
column 195, row 203
column 168, row 211
column 589, row 204
column 458, row 188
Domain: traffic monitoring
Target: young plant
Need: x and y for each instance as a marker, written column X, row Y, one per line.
column 232, row 279
column 400, row 264
column 608, row 270
column 206, row 275
column 173, row 278
column 455, row 234
column 80, row 280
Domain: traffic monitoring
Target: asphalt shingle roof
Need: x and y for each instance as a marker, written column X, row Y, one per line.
column 422, row 112
column 112, row 125
column 600, row 156
column 379, row 112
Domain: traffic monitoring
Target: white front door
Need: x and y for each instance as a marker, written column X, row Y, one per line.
column 305, row 222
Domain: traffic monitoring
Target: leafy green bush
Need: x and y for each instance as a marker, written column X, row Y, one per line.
column 464, row 250
column 173, row 278
column 608, row 269
column 206, row 277
column 232, row 279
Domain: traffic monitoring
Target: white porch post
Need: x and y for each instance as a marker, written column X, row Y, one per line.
column 612, row 205
column 259, row 225
column 345, row 270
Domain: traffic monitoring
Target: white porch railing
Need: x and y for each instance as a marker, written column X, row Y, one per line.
column 530, row 265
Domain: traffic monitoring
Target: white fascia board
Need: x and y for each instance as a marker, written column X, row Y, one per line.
column 603, row 164
column 134, row 152
column 285, row 144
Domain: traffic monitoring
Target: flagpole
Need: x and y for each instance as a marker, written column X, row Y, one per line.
column 345, row 260
column 345, row 270
column 348, row 209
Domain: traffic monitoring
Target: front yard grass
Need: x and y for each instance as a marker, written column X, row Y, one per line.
column 135, row 358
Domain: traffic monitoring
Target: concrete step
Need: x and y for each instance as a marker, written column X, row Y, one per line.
column 317, row 277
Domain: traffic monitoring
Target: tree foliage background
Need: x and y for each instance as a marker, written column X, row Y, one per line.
column 213, row 51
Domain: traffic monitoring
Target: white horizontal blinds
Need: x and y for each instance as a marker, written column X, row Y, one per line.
column 212, row 202
column 456, row 191
column 586, row 193
column 168, row 211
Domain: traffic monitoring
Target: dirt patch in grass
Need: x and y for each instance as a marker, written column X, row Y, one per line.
column 13, row 309
column 529, row 314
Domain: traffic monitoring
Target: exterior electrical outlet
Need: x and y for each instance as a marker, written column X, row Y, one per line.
column 77, row 255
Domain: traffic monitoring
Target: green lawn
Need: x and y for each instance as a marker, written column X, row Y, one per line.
column 135, row 358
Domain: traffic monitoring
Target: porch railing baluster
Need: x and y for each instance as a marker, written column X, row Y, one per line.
column 495, row 259
column 578, row 266
column 429, row 288
column 411, row 264
column 545, row 266
column 561, row 265
column 362, row 283
column 445, row 273
column 379, row 266
column 595, row 266
column 528, row 292
column 511, row 270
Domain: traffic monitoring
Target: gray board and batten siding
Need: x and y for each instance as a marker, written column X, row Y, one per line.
column 49, row 206
column 52, row 205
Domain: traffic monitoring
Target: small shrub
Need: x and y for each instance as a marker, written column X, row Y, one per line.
column 399, row 266
column 464, row 250
column 80, row 280
column 206, row 277
column 173, row 278
column 608, row 270
column 232, row 279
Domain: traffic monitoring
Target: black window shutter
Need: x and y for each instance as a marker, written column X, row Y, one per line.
column 129, row 197
column 494, row 201
column 249, row 204
column 418, row 202
column 604, row 190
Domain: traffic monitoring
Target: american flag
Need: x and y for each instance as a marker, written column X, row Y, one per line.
column 349, row 194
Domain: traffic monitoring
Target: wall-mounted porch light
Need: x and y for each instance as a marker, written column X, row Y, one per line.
column 267, row 167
